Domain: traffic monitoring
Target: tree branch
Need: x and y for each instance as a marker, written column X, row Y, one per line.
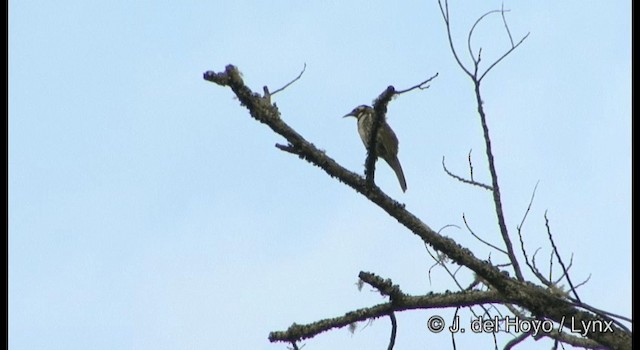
column 539, row 301
column 464, row 219
column 298, row 332
column 461, row 179
column 291, row 82
column 394, row 330
column 564, row 268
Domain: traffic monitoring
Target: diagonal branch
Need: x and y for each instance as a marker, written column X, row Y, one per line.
column 539, row 301
column 287, row 85
column 555, row 249
column 497, row 200
column 464, row 219
column 503, row 57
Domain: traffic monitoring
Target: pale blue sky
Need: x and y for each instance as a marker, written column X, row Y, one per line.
column 148, row 211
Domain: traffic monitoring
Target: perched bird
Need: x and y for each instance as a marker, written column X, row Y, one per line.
column 386, row 142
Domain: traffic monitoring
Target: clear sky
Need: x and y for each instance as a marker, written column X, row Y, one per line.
column 148, row 211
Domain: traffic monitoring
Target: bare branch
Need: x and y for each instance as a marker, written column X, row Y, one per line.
column 533, row 268
column 583, row 282
column 447, row 21
column 606, row 314
column 551, row 268
column 291, row 82
column 495, row 340
column 537, row 300
column 555, row 249
column 470, row 165
column 418, row 86
column 394, row 329
column 440, row 262
column 497, row 200
column 524, row 217
column 563, row 272
column 453, row 334
column 298, row 332
column 502, row 57
column 461, row 179
column 447, row 226
column 386, row 287
column 536, row 271
column 476, row 62
column 464, row 219
column 506, row 27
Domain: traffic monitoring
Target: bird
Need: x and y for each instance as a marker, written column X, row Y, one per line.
column 386, row 142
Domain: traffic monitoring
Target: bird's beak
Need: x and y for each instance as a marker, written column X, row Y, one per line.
column 350, row 114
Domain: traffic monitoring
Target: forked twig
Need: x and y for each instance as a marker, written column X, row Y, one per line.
column 555, row 249
column 461, row 179
column 289, row 83
column 418, row 86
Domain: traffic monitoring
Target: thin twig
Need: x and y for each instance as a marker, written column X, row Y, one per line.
column 502, row 57
column 563, row 273
column 464, row 219
column 555, row 249
column 477, row 62
column 470, row 165
column 583, row 282
column 394, row 329
column 533, row 268
column 524, row 217
column 607, row 313
column 551, row 268
column 441, row 263
column 447, row 226
column 461, row 179
column 445, row 16
column 453, row 334
column 441, row 258
column 506, row 27
column 495, row 340
column 291, row 82
column 418, row 86
column 536, row 270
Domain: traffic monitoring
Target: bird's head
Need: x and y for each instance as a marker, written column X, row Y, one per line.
column 359, row 111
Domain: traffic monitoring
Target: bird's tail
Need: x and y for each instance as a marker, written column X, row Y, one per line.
column 394, row 163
